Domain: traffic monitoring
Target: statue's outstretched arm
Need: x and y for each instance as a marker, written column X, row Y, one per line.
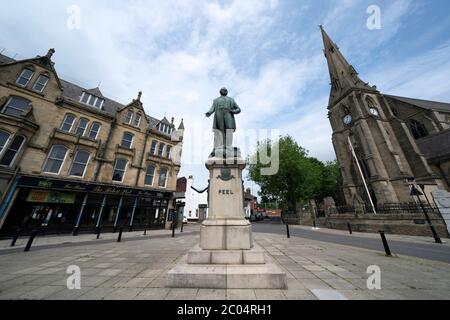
column 212, row 110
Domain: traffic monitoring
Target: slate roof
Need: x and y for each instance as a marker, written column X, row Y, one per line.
column 4, row 59
column 74, row 92
column 424, row 104
column 436, row 147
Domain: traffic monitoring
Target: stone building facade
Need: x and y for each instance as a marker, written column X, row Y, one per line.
column 71, row 158
column 398, row 141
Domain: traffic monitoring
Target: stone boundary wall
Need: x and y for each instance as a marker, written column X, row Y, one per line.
column 405, row 224
column 413, row 225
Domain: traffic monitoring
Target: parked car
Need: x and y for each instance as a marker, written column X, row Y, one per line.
column 185, row 220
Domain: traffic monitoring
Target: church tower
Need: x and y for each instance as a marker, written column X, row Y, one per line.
column 361, row 117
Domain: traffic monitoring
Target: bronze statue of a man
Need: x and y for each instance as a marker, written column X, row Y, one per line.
column 224, row 125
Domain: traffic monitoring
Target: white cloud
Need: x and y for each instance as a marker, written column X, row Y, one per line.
column 424, row 76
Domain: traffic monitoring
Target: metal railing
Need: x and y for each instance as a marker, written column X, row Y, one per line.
column 389, row 208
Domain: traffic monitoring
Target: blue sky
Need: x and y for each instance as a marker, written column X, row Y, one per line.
column 267, row 52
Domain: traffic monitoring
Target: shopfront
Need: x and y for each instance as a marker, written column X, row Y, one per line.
column 60, row 206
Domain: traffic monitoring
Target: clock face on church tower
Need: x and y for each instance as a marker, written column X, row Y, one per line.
column 347, row 119
column 374, row 112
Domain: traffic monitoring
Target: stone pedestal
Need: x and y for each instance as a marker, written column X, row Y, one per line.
column 226, row 256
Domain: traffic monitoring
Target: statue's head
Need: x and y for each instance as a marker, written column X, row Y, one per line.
column 223, row 92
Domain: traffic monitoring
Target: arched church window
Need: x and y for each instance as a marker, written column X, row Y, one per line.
column 364, row 168
column 418, row 129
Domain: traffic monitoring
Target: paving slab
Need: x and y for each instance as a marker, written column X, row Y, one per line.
column 138, row 269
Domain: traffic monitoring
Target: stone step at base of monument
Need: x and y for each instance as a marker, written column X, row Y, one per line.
column 255, row 255
column 260, row 276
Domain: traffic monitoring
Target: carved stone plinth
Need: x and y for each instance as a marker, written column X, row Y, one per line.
column 226, row 256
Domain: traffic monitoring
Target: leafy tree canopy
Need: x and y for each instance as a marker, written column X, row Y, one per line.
column 299, row 178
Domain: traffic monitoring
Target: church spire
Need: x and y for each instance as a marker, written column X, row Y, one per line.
column 343, row 75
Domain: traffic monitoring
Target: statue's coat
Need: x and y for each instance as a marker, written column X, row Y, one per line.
column 224, row 109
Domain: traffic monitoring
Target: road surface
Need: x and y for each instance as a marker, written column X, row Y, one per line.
column 437, row 252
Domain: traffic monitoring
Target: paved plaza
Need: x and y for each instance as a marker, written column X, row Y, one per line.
column 136, row 268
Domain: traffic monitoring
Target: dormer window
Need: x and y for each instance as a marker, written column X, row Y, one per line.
column 40, row 83
column 25, row 77
column 165, row 128
column 128, row 117
column 92, row 100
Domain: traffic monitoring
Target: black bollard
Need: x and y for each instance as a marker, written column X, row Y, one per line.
column 98, row 231
column 385, row 244
column 30, row 240
column 16, row 236
column 75, row 231
column 314, row 224
column 435, row 235
column 145, row 231
column 173, row 230
column 120, row 234
column 287, row 231
column 349, row 228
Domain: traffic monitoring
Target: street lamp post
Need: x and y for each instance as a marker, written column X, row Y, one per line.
column 417, row 193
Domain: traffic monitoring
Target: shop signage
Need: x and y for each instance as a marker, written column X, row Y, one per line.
column 61, row 185
column 51, row 197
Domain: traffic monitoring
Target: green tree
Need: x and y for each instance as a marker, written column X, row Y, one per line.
column 298, row 177
column 331, row 185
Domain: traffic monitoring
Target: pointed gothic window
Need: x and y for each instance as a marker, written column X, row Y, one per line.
column 418, row 129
